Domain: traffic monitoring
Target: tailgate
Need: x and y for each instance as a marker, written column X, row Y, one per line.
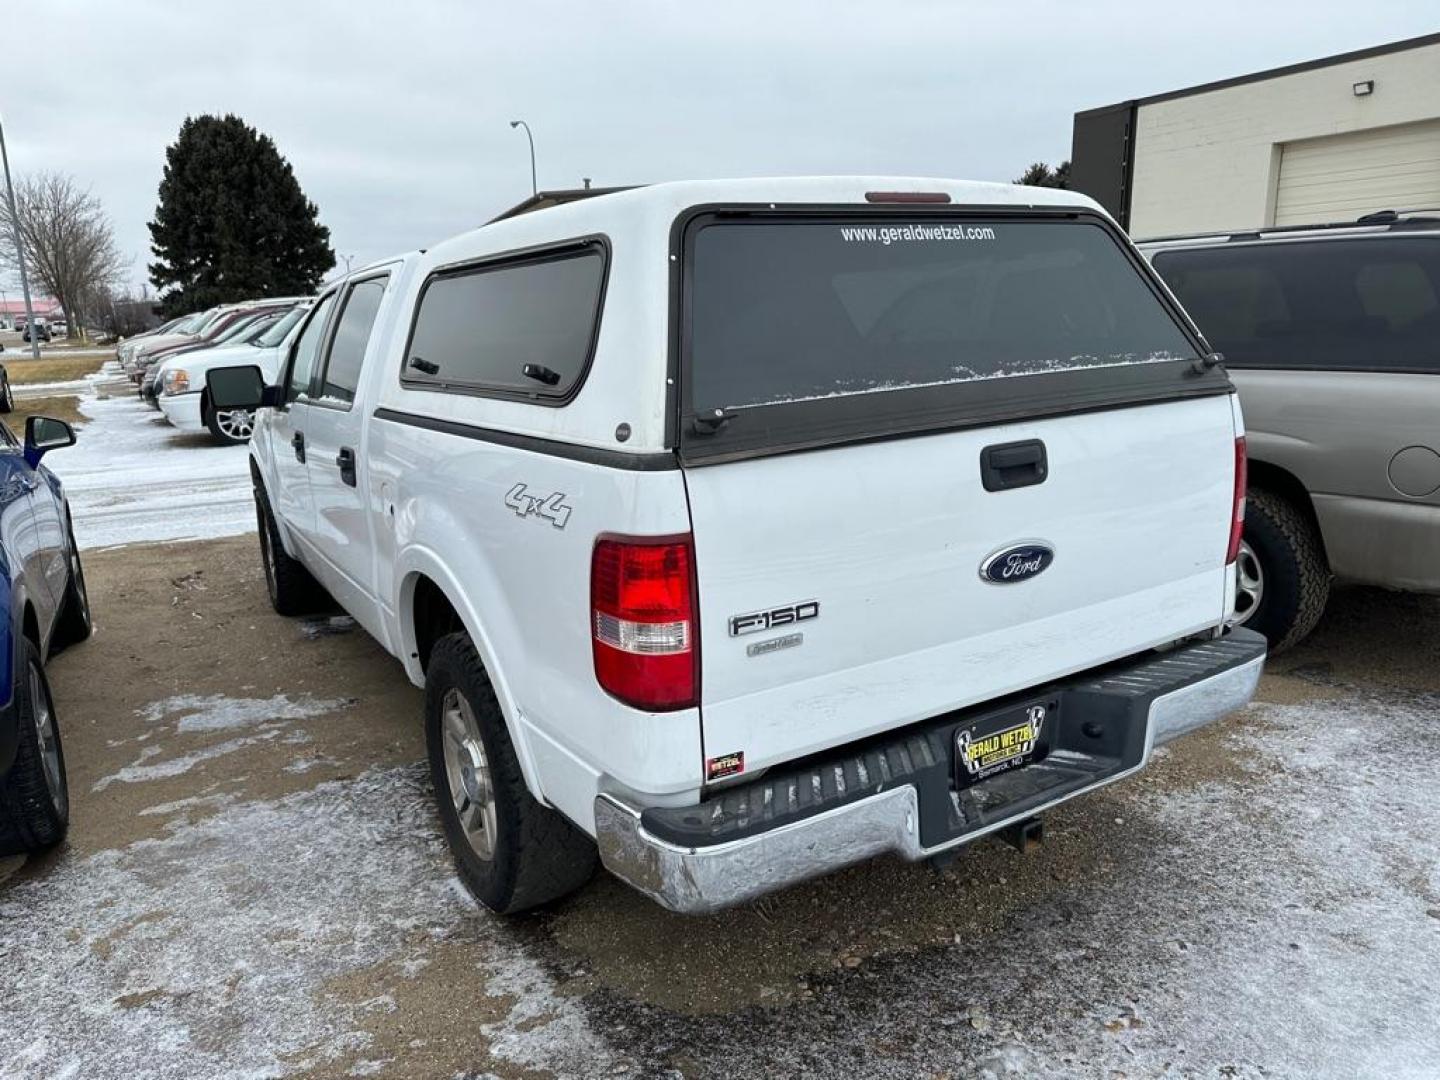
column 877, row 551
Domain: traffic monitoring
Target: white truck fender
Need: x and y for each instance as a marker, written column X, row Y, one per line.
column 415, row 561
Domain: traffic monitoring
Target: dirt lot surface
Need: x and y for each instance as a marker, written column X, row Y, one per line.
column 60, row 406
column 255, row 885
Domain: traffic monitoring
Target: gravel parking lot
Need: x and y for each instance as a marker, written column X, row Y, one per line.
column 255, row 884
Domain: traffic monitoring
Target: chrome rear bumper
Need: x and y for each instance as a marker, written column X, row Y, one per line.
column 703, row 878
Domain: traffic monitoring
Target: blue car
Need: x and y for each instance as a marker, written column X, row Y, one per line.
column 43, row 588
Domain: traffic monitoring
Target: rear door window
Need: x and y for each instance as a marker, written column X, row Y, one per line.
column 515, row 329
column 307, row 350
column 1351, row 304
column 351, row 338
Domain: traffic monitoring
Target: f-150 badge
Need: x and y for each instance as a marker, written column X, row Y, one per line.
column 752, row 622
column 550, row 507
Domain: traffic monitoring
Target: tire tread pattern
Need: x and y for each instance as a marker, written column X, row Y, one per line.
column 1310, row 570
column 74, row 623
column 539, row 855
column 296, row 592
column 28, row 820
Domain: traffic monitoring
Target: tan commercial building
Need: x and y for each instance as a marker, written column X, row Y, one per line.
column 1324, row 141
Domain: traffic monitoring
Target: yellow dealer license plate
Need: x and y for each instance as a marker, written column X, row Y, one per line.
column 1003, row 741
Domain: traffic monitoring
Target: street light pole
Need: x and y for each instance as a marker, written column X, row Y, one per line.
column 30, row 327
column 534, row 187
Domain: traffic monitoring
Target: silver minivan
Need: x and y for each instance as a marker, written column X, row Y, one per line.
column 1332, row 334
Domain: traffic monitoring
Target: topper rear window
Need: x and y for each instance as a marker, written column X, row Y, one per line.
column 803, row 328
column 796, row 311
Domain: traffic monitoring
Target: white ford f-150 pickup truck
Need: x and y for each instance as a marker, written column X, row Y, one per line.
column 740, row 531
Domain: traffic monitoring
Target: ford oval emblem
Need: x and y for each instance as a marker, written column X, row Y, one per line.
column 1019, row 562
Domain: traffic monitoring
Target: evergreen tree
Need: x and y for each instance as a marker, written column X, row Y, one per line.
column 1042, row 175
column 232, row 222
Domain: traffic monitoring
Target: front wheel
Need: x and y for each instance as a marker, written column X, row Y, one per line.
column 293, row 589
column 34, row 796
column 1282, row 577
column 230, row 427
column 510, row 851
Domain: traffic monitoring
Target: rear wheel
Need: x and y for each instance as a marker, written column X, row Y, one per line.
column 510, row 851
column 34, row 797
column 230, row 426
column 1282, row 578
column 292, row 588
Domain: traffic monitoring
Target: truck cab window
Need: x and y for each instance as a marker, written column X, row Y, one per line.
column 307, row 348
column 352, row 336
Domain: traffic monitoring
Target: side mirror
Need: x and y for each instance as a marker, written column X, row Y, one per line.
column 238, row 388
column 43, row 433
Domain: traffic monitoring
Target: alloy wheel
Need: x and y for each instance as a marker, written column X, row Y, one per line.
column 47, row 738
column 1249, row 584
column 467, row 771
column 236, row 424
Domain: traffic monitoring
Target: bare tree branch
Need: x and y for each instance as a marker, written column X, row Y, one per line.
column 68, row 242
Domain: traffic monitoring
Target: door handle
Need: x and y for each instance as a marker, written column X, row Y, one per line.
column 1013, row 465
column 298, row 442
column 346, row 460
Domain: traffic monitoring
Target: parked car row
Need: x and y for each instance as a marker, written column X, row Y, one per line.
column 168, row 363
column 179, row 385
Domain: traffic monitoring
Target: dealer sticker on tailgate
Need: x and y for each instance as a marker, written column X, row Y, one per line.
column 1000, row 743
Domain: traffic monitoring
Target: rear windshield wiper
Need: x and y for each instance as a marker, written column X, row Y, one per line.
column 1200, row 365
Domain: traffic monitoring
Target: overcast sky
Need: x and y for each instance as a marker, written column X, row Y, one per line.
column 395, row 115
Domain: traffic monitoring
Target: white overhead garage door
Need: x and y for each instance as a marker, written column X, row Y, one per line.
column 1340, row 177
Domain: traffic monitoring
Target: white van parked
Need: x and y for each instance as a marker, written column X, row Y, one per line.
column 745, row 530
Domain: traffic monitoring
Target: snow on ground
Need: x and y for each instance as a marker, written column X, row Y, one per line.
column 216, row 712
column 49, row 389
column 266, row 717
column 132, row 478
column 208, row 952
column 1280, row 922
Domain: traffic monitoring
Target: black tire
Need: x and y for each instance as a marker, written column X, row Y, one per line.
column 1292, row 564
column 7, row 396
column 292, row 588
column 73, row 625
column 537, row 855
column 223, row 426
column 34, row 802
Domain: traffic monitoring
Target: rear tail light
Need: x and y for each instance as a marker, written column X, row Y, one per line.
column 642, row 618
column 1237, row 519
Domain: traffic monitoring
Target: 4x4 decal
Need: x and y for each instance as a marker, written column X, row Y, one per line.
column 550, row 507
